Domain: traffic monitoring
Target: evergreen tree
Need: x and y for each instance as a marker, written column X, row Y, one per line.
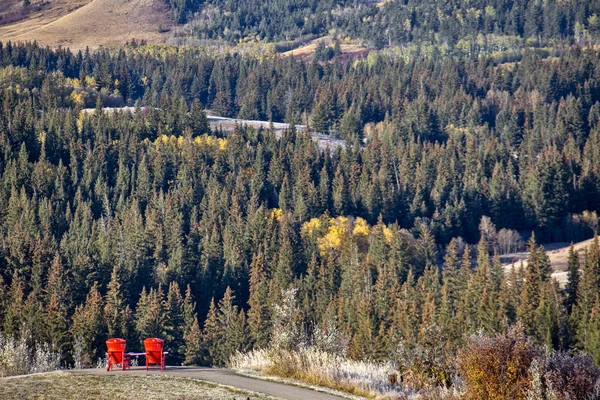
column 258, row 314
column 57, row 293
column 13, row 316
column 175, row 324
column 114, row 307
column 573, row 276
column 89, row 327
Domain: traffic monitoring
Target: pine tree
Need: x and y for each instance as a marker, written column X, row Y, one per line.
column 34, row 323
column 192, row 332
column 588, row 291
column 592, row 343
column 233, row 328
column 258, row 314
column 57, row 293
column 197, row 119
column 13, row 315
column 548, row 317
column 537, row 275
column 193, row 344
column 362, row 345
column 151, row 314
column 174, row 324
column 452, row 289
column 340, row 193
column 89, row 326
column 114, row 305
column 211, row 337
column 573, row 275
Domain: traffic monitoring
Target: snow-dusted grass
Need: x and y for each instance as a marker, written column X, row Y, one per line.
column 66, row 386
column 310, row 365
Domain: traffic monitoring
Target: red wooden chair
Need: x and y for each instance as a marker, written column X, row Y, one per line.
column 116, row 354
column 154, row 353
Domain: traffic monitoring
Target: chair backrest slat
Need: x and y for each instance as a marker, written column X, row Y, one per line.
column 116, row 350
column 154, row 349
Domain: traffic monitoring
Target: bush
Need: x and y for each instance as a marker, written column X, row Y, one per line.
column 428, row 364
column 497, row 368
column 567, row 377
column 16, row 358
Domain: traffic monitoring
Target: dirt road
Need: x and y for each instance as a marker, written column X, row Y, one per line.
column 226, row 377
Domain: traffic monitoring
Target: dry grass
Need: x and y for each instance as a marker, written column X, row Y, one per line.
column 81, row 23
column 307, row 51
column 39, row 13
column 558, row 253
column 360, row 378
column 67, row 386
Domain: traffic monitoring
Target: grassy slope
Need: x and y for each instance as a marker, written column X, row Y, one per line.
column 558, row 254
column 307, row 51
column 66, row 386
column 80, row 23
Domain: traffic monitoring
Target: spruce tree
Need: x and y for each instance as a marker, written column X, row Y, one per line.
column 174, row 324
column 89, row 326
column 211, row 336
column 258, row 314
column 57, row 293
column 573, row 276
column 114, row 307
column 192, row 332
column 13, row 315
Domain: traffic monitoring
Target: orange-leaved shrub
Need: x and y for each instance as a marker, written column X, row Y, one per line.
column 497, row 368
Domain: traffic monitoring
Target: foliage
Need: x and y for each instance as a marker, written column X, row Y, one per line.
column 497, row 368
column 18, row 358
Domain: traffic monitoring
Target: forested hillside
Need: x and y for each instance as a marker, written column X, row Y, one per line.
column 470, row 26
column 476, row 133
column 148, row 224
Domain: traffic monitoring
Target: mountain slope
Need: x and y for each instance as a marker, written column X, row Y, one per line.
column 97, row 23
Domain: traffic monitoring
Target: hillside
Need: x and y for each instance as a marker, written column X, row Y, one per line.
column 558, row 253
column 80, row 23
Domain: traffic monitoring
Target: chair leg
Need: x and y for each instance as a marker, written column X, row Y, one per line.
column 146, row 362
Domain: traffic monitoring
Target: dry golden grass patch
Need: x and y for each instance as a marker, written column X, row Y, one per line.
column 81, row 23
column 67, row 386
column 308, row 50
column 558, row 253
column 320, row 369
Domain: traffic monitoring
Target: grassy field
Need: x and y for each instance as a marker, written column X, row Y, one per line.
column 80, row 23
column 67, row 386
column 307, row 51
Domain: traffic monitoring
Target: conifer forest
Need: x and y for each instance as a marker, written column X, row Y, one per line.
column 470, row 132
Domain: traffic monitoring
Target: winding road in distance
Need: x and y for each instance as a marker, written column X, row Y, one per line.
column 225, row 377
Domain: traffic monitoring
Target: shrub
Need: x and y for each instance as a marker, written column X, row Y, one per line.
column 428, row 364
column 497, row 368
column 16, row 358
column 565, row 377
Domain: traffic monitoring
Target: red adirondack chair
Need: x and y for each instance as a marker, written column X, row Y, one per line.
column 154, row 353
column 116, row 354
